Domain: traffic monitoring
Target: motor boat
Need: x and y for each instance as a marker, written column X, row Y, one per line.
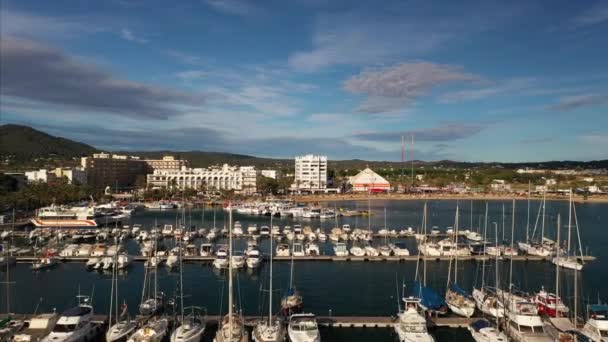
column 282, row 250
column 524, row 323
column 221, row 258
column 298, row 249
column 568, row 262
column 44, row 263
column 40, row 325
column 265, row 231
column 238, row 261
column 206, row 249
column 483, row 331
column 253, row 258
column 74, row 324
column 357, row 251
column 312, row 249
column 399, row 249
column 303, row 328
column 411, row 325
column 371, row 251
column 385, row 250
column 596, row 327
column 152, row 331
column 473, row 236
column 340, row 249
column 549, row 304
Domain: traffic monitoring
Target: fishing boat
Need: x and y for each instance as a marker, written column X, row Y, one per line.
column 232, row 326
column 74, row 324
column 303, row 328
column 482, row 331
column 411, row 325
column 269, row 329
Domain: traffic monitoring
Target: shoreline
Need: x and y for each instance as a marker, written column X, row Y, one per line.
column 407, row 197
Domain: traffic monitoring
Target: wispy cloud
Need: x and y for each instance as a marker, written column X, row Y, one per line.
column 36, row 72
column 578, row 101
column 184, row 57
column 538, row 140
column 29, row 25
column 235, row 7
column 127, row 34
column 444, row 132
column 393, row 87
column 509, row 86
column 596, row 139
column 190, row 75
column 596, row 14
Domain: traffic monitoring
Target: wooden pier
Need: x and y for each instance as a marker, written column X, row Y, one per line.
column 323, row 321
column 327, row 258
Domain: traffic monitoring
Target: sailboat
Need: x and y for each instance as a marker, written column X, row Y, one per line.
column 385, row 250
column 152, row 301
column 538, row 248
column 124, row 326
column 430, row 300
column 292, row 300
column 460, row 302
column 192, row 326
column 232, row 326
column 570, row 260
column 482, row 331
column 486, row 299
column 269, row 330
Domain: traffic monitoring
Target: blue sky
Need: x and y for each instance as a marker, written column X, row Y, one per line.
column 472, row 81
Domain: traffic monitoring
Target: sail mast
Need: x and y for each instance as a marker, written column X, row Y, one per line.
column 483, row 261
column 569, row 223
column 270, row 295
column 559, row 222
column 512, row 233
column 229, row 267
column 528, row 218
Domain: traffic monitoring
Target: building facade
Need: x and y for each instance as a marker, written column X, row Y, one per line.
column 112, row 170
column 369, row 181
column 242, row 179
column 274, row 174
column 310, row 173
column 166, row 163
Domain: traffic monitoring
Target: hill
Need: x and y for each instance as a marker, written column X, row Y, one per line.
column 25, row 147
column 23, row 143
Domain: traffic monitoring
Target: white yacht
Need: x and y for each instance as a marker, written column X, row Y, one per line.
column 340, row 249
column 298, row 249
column 206, row 249
column 221, row 258
column 483, row 331
column 525, row 325
column 74, row 324
column 312, row 249
column 399, row 249
column 411, row 325
column 282, row 250
column 596, row 327
column 254, row 259
column 357, row 251
column 303, row 328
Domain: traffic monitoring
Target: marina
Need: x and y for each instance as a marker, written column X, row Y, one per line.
column 373, row 275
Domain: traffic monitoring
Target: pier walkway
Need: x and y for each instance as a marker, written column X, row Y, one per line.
column 326, row 258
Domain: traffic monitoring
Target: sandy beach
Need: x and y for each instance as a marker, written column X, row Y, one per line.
column 410, row 197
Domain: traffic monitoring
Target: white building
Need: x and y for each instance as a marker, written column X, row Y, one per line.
column 224, row 178
column 310, row 173
column 369, row 181
column 550, row 181
column 500, row 185
column 73, row 175
column 41, row 175
column 274, row 174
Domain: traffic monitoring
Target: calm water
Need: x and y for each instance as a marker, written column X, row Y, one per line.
column 338, row 288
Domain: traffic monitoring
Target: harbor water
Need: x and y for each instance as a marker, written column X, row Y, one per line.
column 336, row 288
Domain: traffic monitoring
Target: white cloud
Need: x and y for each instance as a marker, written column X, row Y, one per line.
column 394, row 87
column 596, row 14
column 127, row 34
column 234, row 7
column 581, row 100
column 509, row 86
column 190, row 75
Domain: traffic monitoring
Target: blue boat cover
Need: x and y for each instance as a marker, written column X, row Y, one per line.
column 598, row 307
column 480, row 324
column 429, row 298
column 457, row 289
column 290, row 292
column 76, row 311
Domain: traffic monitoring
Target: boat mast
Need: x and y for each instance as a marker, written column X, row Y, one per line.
column 559, row 222
column 270, row 295
column 424, row 259
column 512, row 234
column 569, row 224
column 456, row 243
column 483, row 261
column 528, row 218
column 503, row 222
column 181, row 277
column 542, row 227
column 229, row 266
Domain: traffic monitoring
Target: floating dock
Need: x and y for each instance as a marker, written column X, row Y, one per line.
column 328, row 258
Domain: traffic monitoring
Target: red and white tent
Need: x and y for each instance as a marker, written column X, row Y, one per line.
column 369, row 181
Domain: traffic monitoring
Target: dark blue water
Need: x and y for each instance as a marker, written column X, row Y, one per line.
column 338, row 288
